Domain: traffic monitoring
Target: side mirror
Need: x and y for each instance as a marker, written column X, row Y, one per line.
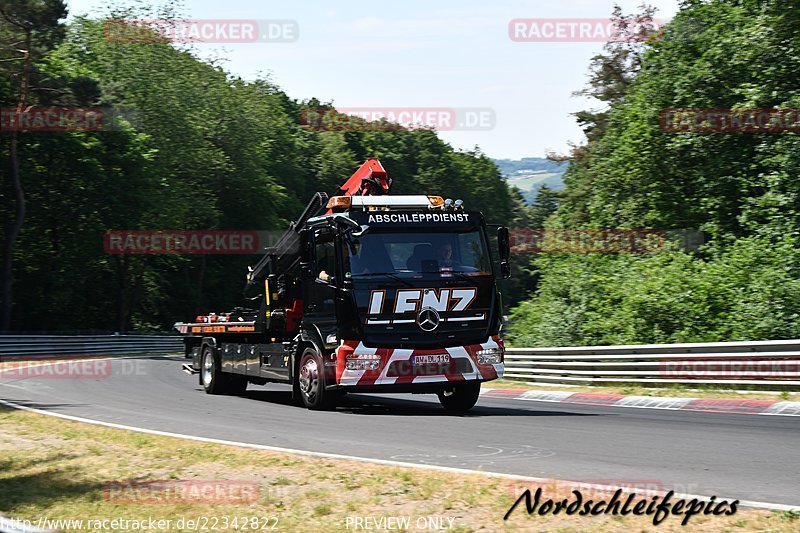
column 503, row 243
column 505, row 270
column 504, row 247
column 272, row 288
column 346, row 223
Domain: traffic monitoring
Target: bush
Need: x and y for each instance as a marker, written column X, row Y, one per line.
column 750, row 291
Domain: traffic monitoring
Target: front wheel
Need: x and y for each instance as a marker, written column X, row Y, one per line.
column 462, row 397
column 311, row 380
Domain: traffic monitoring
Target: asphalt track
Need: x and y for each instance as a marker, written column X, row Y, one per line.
column 748, row 457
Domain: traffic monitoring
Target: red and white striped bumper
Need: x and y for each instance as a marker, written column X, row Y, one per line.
column 395, row 366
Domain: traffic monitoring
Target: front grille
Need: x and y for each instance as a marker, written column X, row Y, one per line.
column 415, row 340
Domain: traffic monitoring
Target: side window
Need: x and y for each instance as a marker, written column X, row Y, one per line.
column 326, row 262
column 318, row 297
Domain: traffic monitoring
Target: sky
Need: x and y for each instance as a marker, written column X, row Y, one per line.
column 420, row 54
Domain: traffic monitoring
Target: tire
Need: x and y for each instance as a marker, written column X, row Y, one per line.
column 214, row 381
column 311, row 380
column 460, row 398
column 237, row 385
column 210, row 375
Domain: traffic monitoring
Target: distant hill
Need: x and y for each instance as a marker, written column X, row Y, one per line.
column 530, row 173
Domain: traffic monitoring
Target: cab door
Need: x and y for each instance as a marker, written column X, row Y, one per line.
column 320, row 288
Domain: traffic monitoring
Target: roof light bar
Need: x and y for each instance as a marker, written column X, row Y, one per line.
column 385, row 201
column 338, row 202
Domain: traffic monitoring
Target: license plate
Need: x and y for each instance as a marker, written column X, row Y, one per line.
column 435, row 359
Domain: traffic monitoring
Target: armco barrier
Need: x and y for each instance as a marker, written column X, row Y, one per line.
column 756, row 364
column 760, row 364
column 68, row 345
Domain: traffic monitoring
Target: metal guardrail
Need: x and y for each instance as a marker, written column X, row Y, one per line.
column 771, row 364
column 67, row 345
column 757, row 364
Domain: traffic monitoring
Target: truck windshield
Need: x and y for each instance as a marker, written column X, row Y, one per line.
column 432, row 252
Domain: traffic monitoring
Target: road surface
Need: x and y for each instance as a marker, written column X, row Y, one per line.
column 748, row 457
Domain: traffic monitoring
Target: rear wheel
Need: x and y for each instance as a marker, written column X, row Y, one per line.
column 460, row 398
column 311, row 381
column 215, row 381
column 210, row 375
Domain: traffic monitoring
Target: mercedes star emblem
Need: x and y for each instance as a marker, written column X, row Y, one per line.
column 428, row 319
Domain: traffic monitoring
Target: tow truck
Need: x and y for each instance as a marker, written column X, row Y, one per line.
column 365, row 292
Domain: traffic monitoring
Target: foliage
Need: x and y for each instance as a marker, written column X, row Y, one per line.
column 750, row 290
column 741, row 188
column 192, row 148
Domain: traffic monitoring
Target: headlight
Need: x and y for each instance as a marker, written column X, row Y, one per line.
column 363, row 362
column 490, row 356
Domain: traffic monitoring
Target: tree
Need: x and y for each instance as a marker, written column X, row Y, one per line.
column 612, row 72
column 739, row 187
column 192, row 147
column 33, row 27
column 544, row 205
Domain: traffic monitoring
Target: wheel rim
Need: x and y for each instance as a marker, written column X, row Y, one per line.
column 309, row 378
column 208, row 363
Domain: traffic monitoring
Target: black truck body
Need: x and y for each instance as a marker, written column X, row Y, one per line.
column 365, row 293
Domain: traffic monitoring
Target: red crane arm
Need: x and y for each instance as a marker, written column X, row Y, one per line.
column 370, row 179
